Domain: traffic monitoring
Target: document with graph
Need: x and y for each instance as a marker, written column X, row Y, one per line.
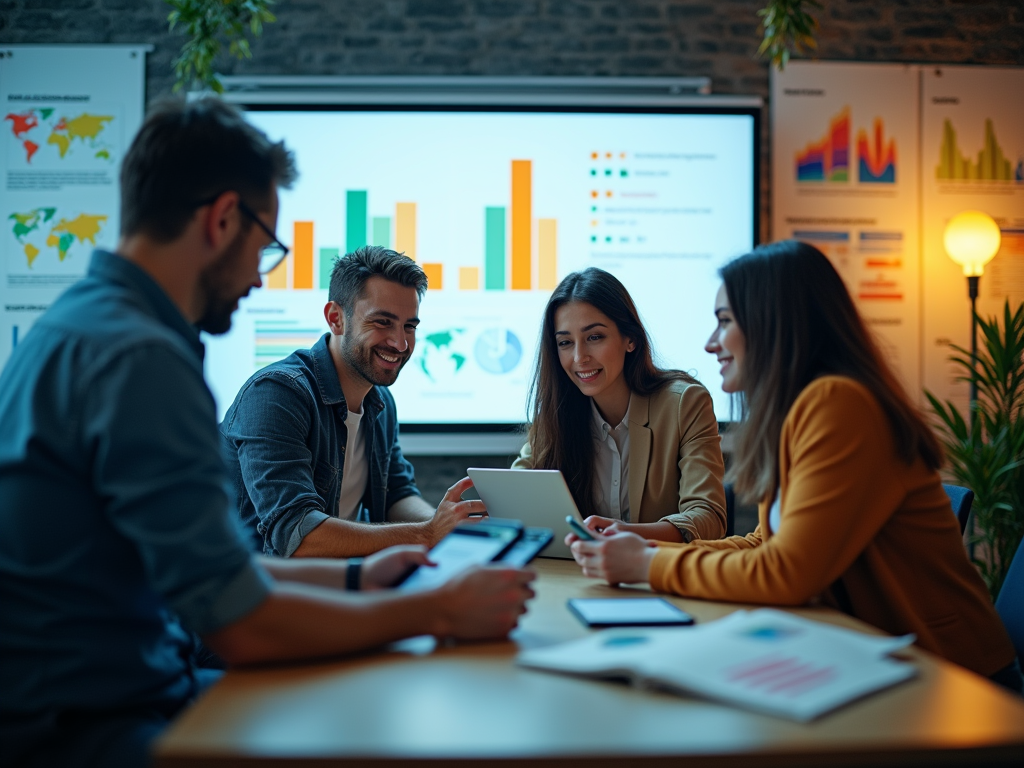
column 764, row 660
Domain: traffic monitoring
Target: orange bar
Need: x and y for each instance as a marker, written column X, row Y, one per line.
column 302, row 239
column 547, row 254
column 522, row 224
column 405, row 229
column 469, row 278
column 278, row 277
column 433, row 272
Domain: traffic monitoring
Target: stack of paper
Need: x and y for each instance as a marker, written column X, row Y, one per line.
column 765, row 660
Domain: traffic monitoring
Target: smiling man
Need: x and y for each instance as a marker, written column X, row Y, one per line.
column 312, row 440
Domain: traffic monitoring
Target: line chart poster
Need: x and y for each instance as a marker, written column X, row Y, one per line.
column 972, row 150
column 67, row 115
column 846, row 180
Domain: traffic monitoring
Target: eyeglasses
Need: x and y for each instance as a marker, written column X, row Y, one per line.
column 275, row 251
column 271, row 254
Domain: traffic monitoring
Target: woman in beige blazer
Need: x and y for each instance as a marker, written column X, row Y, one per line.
column 638, row 446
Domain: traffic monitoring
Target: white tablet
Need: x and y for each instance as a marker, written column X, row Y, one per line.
column 536, row 497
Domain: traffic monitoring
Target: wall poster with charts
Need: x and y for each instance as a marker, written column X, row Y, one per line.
column 972, row 150
column 845, row 179
column 68, row 114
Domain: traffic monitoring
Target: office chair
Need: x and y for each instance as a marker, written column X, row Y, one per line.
column 1010, row 603
column 961, row 499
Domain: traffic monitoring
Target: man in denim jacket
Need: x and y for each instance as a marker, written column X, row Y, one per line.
column 312, row 440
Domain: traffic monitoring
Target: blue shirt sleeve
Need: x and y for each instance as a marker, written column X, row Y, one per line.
column 151, row 425
column 268, row 427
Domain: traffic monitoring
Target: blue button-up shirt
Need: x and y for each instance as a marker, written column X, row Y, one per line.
column 284, row 442
column 115, row 527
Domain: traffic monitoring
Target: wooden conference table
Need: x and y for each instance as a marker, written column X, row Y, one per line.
column 470, row 705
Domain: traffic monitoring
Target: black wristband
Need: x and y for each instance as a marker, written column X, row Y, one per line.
column 352, row 573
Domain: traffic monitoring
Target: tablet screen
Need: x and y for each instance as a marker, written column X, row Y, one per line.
column 625, row 612
column 457, row 552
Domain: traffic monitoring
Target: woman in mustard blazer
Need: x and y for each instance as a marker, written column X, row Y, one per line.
column 638, row 446
column 852, row 511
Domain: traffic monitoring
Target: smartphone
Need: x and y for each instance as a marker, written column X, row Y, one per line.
column 601, row 613
column 580, row 529
column 467, row 545
column 528, row 546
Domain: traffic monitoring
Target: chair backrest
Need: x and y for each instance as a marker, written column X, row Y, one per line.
column 1010, row 603
column 961, row 499
column 730, row 510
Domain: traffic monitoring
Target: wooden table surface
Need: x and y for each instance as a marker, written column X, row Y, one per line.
column 469, row 704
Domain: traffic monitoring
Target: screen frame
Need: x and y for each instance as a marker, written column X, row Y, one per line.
column 432, row 97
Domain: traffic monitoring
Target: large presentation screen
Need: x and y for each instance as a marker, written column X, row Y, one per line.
column 498, row 205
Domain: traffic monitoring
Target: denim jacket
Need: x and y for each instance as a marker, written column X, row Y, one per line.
column 284, row 439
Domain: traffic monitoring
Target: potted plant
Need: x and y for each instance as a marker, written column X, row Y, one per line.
column 986, row 453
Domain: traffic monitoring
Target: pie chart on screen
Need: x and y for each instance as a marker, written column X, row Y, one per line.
column 498, row 350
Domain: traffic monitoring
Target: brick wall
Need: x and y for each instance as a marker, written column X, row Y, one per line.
column 714, row 38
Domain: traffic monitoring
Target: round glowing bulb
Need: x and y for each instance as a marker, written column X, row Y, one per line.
column 972, row 241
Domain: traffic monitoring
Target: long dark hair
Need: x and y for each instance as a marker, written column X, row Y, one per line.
column 799, row 323
column 560, row 414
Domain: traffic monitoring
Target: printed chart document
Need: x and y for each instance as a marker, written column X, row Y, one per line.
column 765, row 660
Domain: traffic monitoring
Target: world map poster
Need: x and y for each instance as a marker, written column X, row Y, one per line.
column 67, row 115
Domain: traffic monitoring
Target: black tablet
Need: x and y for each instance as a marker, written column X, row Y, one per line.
column 467, row 545
column 600, row 613
column 527, row 547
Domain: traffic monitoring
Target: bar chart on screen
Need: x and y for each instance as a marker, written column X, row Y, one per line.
column 496, row 208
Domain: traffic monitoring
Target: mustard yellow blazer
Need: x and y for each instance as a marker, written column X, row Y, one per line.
column 675, row 460
column 859, row 529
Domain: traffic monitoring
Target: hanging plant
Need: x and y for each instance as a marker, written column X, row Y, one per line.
column 787, row 26
column 211, row 24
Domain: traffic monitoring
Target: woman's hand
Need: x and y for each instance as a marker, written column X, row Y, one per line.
column 621, row 558
column 382, row 569
column 605, row 526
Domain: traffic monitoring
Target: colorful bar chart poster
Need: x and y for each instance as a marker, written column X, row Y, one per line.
column 846, row 180
column 972, row 149
column 68, row 115
column 497, row 208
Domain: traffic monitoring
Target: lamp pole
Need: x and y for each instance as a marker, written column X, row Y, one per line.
column 972, row 291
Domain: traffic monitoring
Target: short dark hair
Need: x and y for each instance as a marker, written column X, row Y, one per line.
column 187, row 153
column 350, row 273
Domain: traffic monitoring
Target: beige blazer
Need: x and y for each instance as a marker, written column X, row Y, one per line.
column 675, row 461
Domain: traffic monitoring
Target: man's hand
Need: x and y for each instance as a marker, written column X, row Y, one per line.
column 483, row 603
column 384, row 568
column 623, row 558
column 453, row 510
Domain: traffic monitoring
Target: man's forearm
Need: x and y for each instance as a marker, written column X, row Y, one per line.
column 301, row 622
column 319, row 572
column 344, row 538
column 411, row 509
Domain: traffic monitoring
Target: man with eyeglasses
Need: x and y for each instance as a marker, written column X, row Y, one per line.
column 311, row 441
column 117, row 544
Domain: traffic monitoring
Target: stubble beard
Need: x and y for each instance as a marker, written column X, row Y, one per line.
column 215, row 282
column 361, row 360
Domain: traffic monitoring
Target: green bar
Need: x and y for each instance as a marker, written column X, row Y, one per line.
column 494, row 248
column 355, row 219
column 382, row 231
column 327, row 257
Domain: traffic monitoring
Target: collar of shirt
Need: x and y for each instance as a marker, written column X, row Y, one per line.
column 114, row 268
column 328, row 384
column 602, row 429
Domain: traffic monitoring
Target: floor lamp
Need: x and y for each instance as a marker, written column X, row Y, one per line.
column 972, row 240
